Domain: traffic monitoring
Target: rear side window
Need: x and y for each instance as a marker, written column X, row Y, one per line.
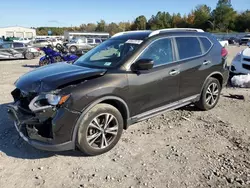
column 188, row 47
column 206, row 43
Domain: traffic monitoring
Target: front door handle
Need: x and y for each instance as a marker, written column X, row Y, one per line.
column 174, row 72
column 206, row 62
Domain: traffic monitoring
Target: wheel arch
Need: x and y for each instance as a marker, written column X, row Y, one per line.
column 117, row 102
column 216, row 75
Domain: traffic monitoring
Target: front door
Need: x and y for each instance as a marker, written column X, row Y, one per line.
column 156, row 87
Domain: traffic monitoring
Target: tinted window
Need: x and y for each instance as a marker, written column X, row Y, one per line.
column 98, row 41
column 188, row 47
column 18, row 45
column 206, row 43
column 90, row 40
column 159, row 51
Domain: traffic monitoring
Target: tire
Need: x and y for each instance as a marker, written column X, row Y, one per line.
column 44, row 62
column 58, row 59
column 29, row 55
column 209, row 96
column 89, row 127
column 72, row 49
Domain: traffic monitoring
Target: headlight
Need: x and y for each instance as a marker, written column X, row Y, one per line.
column 53, row 99
column 56, row 99
column 43, row 102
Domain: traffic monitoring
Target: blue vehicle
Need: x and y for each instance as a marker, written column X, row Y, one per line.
column 53, row 56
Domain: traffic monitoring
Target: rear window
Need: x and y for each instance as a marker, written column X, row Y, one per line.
column 188, row 47
column 206, row 44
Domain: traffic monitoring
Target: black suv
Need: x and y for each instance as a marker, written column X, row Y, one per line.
column 129, row 78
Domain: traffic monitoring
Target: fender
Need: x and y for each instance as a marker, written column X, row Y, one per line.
column 84, row 111
column 209, row 76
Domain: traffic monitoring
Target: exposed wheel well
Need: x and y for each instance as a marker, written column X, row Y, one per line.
column 121, row 107
column 218, row 77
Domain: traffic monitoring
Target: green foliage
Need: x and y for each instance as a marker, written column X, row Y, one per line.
column 140, row 23
column 222, row 19
column 224, row 16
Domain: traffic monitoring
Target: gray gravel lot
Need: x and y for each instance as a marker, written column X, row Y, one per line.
column 182, row 148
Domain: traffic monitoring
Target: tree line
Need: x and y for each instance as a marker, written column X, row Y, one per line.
column 222, row 19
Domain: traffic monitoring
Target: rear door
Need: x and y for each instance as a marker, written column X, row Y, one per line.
column 195, row 63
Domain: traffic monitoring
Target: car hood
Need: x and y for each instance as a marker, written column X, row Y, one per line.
column 246, row 52
column 51, row 77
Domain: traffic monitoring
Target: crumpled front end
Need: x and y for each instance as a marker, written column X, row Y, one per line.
column 41, row 124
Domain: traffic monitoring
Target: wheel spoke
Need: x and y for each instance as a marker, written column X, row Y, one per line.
column 208, row 100
column 212, row 100
column 108, row 119
column 112, row 130
column 91, row 139
column 216, row 92
column 209, row 91
column 104, row 142
column 214, row 88
column 97, row 123
column 95, row 126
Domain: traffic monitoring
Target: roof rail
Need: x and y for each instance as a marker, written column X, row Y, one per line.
column 127, row 32
column 174, row 29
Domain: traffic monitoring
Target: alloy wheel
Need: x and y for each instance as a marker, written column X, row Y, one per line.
column 212, row 94
column 102, row 131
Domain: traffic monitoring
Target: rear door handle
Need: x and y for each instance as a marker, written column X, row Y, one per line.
column 174, row 72
column 206, row 62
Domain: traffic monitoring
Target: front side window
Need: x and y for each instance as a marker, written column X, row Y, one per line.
column 159, row 51
column 188, row 47
column 108, row 53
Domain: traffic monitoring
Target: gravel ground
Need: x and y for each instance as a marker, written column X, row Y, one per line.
column 182, row 148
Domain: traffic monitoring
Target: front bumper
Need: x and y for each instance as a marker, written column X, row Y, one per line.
column 61, row 138
column 237, row 68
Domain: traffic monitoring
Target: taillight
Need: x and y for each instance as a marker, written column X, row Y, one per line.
column 224, row 52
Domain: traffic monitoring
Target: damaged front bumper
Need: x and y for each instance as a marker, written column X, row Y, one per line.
column 50, row 129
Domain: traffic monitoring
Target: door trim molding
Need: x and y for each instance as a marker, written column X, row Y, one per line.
column 162, row 109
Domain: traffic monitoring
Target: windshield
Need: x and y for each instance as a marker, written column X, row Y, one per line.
column 108, row 54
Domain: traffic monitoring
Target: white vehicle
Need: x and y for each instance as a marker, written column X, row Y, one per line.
column 241, row 62
column 245, row 39
column 55, row 41
column 223, row 43
column 84, row 44
column 23, row 40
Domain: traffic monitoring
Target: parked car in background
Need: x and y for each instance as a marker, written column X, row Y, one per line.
column 15, row 50
column 241, row 62
column 127, row 79
column 245, row 40
column 233, row 40
column 41, row 43
column 84, row 44
column 223, row 42
column 23, row 40
column 54, row 42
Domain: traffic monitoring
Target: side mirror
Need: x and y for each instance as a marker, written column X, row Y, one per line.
column 143, row 64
